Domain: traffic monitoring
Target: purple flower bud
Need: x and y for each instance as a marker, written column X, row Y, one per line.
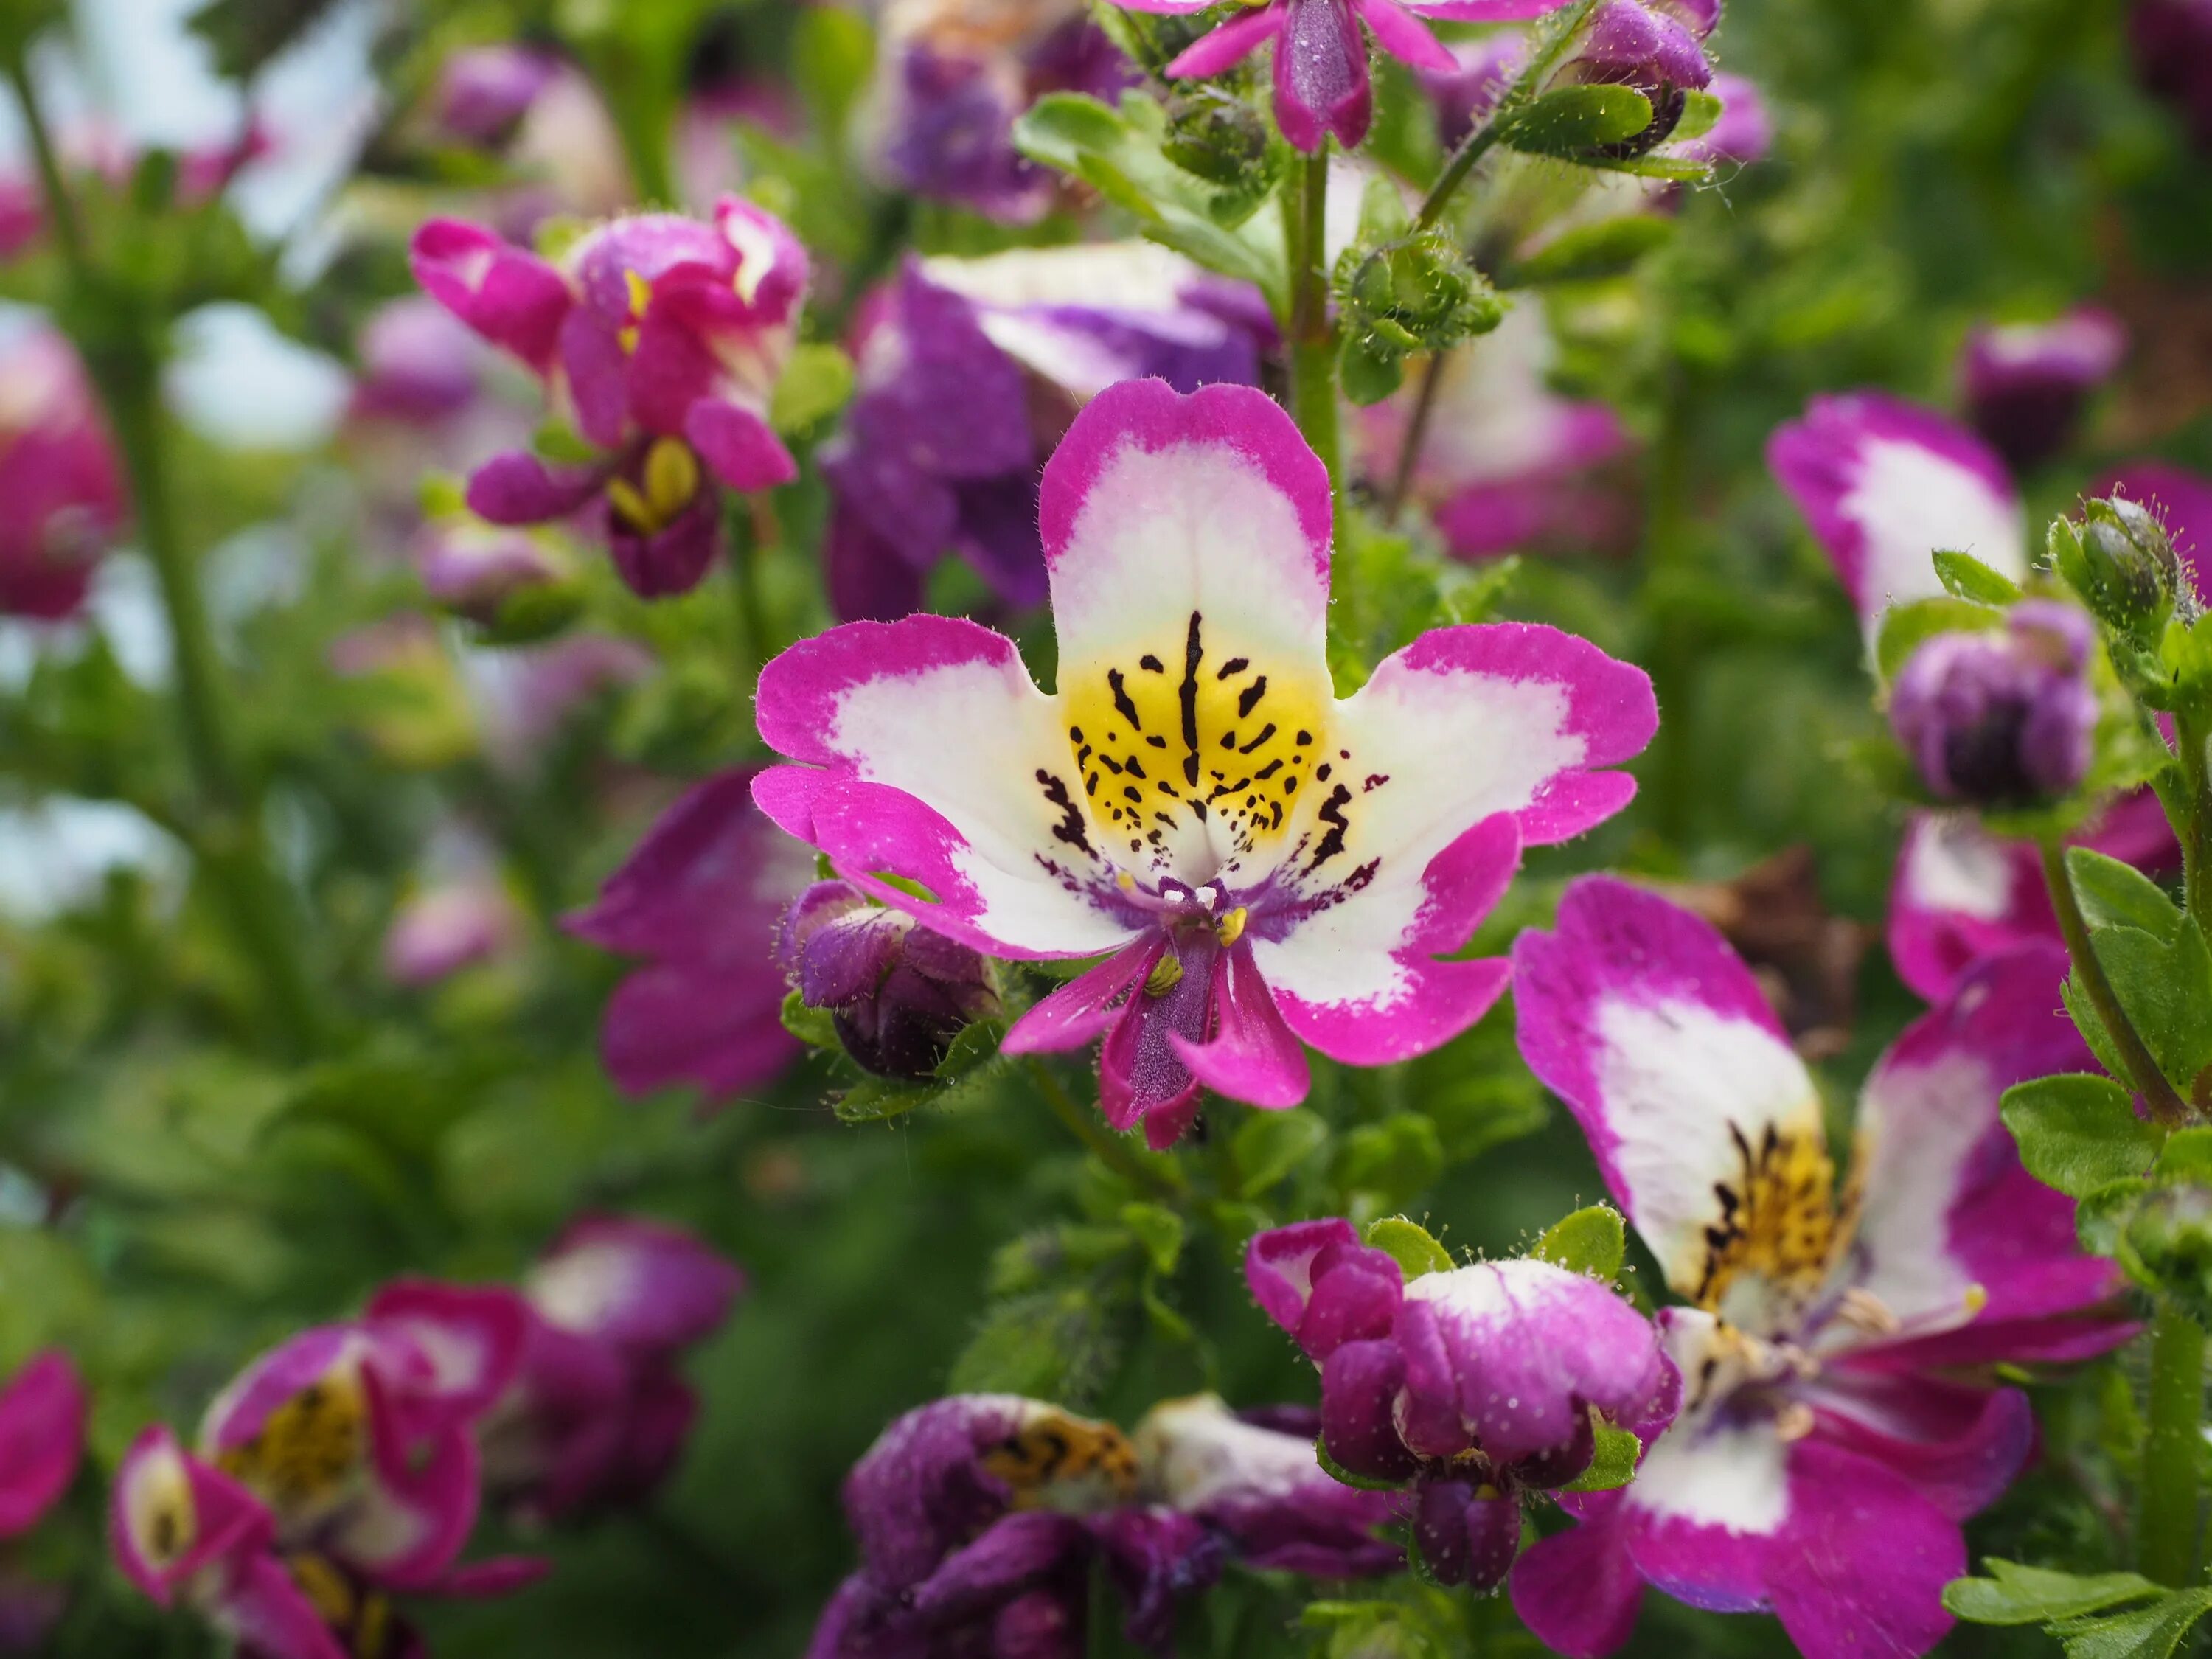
column 1469, row 1531
column 472, row 569
column 2026, row 385
column 419, row 365
column 484, row 92
column 1655, row 49
column 897, row 992
column 2003, row 719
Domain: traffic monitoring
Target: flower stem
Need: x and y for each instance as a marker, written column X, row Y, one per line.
column 124, row 363
column 1417, row 437
column 2143, row 1073
column 1550, row 45
column 1313, row 336
column 1158, row 1177
column 2166, row 1537
column 2189, row 738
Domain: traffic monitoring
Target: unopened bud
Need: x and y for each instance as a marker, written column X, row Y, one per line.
column 2002, row 719
column 2121, row 563
column 896, row 993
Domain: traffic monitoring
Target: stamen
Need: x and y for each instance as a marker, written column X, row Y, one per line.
column 1863, row 1310
column 1230, row 927
column 672, row 478
column 640, row 291
column 1166, row 974
column 1793, row 1422
column 634, row 510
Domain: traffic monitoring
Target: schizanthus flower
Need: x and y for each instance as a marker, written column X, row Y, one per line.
column 2002, row 719
column 61, row 498
column 662, row 339
column 1479, row 1383
column 2025, row 384
column 1259, row 862
column 979, row 1516
column 1827, row 1338
column 969, row 372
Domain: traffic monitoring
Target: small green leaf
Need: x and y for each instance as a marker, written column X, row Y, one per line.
column 1906, row 628
column 558, row 442
column 2185, row 1157
column 1966, row 577
column 879, row 1099
column 1159, row 1232
column 1590, row 1241
column 2078, row 1132
column 2116, row 895
column 2151, row 1632
column 1571, row 120
column 812, row 1026
column 1613, row 1464
column 2017, row 1594
column 1700, row 110
column 1269, row 1146
column 976, row 1045
column 1410, row 1245
column 815, row 386
column 1589, row 252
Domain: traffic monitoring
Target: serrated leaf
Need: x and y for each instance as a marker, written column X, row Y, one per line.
column 2165, row 987
column 1591, row 1241
column 2017, row 1594
column 1966, row 577
column 1614, row 1463
column 1410, row 1245
column 2078, row 1132
column 815, row 384
column 1569, row 120
column 2151, row 1632
column 1269, row 1146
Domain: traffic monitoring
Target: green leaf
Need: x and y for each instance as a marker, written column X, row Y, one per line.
column 2078, row 1132
column 2165, row 989
column 1613, row 1464
column 1589, row 252
column 812, row 1026
column 1700, row 110
column 1591, row 1241
column 1410, row 1245
column 1269, row 1146
column 2150, row 1633
column 1160, row 1232
column 1393, row 1161
column 2116, row 895
column 1056, row 1345
column 880, row 1099
column 815, row 386
column 976, row 1045
column 1966, row 577
column 2017, row 1594
column 1906, row 628
column 2185, row 1157
column 1368, row 371
column 1572, row 119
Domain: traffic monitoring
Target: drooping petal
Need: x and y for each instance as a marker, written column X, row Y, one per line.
column 1467, row 1534
column 1082, row 1010
column 1862, row 1566
column 42, row 1416
column 739, row 445
column 268, row 1614
column 1953, row 1231
column 172, row 1517
column 518, row 488
column 938, row 762
column 511, row 297
column 1186, row 539
column 1702, row 1117
column 1885, row 483
column 1578, row 1590
column 1360, row 1382
column 1142, row 1078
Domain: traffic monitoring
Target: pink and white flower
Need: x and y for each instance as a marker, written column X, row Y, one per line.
column 1322, row 86
column 661, row 339
column 1260, row 862
column 1828, row 1444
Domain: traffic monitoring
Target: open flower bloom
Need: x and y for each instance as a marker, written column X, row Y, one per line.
column 700, row 899
column 1827, row 1418
column 1260, row 862
column 1477, row 1383
column 358, row 1438
column 662, row 339
column 1506, row 461
column 2026, row 383
column 598, row 1414
column 1322, row 87
column 969, row 372
column 978, row 1518
column 61, row 496
column 187, row 1534
column 953, row 76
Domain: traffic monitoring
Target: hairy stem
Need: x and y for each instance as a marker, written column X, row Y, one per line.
column 124, row 365
column 2165, row 1536
column 1158, row 1177
column 2189, row 738
column 2143, row 1073
column 1313, row 336
column 1550, row 46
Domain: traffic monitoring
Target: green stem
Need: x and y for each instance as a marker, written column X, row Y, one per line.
column 2143, row 1072
column 1417, row 437
column 1156, row 1176
column 1313, row 336
column 2189, row 738
column 2165, row 1538
column 226, row 833
column 1557, row 33
column 1472, row 150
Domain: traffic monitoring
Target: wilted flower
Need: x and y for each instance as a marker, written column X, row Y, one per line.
column 1505, row 462
column 1322, row 87
column 2173, row 45
column 598, row 1413
column 2002, row 719
column 448, row 927
column 1477, row 1383
column 978, row 1518
column 969, row 371
column 61, row 500
column 2025, row 384
column 1264, row 863
column 899, row 994
column 700, row 897
column 662, row 339
column 1828, row 1416
column 953, row 75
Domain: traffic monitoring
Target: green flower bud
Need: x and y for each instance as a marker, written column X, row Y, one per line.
column 2120, row 561
column 2170, row 1235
